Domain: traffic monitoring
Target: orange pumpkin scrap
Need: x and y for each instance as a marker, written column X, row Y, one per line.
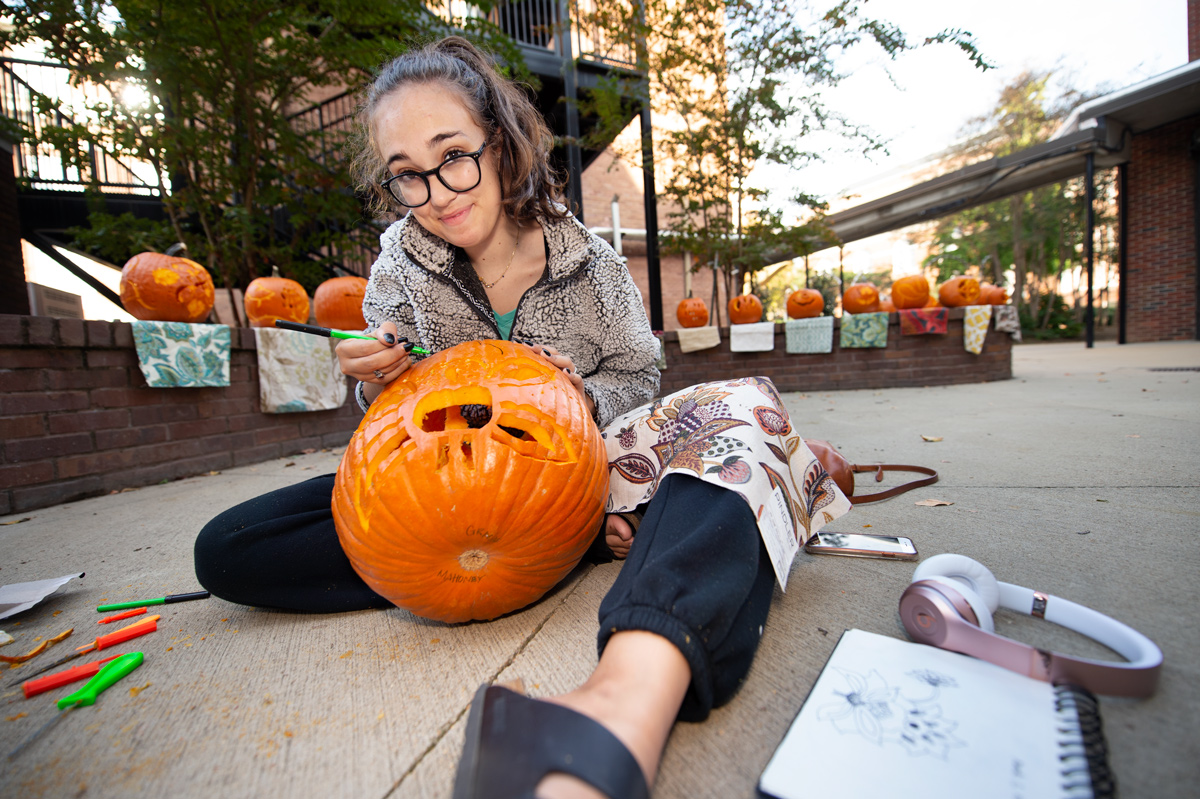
column 745, row 309
column 271, row 298
column 992, row 295
column 692, row 312
column 805, row 304
column 165, row 288
column 861, row 298
column 959, row 291
column 473, row 485
column 910, row 291
column 337, row 303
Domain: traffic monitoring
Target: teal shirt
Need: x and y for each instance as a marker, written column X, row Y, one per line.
column 504, row 322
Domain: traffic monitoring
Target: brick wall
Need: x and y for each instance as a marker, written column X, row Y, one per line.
column 907, row 361
column 1160, row 286
column 77, row 418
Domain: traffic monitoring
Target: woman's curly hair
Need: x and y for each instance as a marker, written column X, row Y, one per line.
column 530, row 186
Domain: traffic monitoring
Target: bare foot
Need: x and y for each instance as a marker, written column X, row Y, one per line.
column 618, row 535
column 635, row 693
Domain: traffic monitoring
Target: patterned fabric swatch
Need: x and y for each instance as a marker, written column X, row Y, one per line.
column 698, row 338
column 922, row 321
column 1008, row 321
column 735, row 434
column 297, row 372
column 182, row 355
column 975, row 327
column 756, row 337
column 809, row 335
column 864, row 330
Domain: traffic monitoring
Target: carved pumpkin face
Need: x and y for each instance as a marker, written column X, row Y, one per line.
column 861, row 298
column 337, row 303
column 473, row 485
column 805, row 304
column 164, row 288
column 958, row 291
column 271, row 298
column 745, row 310
column 692, row 312
column 910, row 291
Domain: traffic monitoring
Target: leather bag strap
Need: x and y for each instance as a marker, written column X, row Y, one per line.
column 880, row 468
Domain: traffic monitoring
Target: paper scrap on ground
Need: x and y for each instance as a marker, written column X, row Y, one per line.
column 5, row 638
column 22, row 596
column 931, row 438
column 933, row 503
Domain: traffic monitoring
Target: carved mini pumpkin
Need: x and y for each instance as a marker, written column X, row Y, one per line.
column 959, row 291
column 745, row 309
column 692, row 312
column 337, row 303
column 910, row 291
column 165, row 288
column 271, row 298
column 861, row 298
column 992, row 295
column 473, row 485
column 805, row 304
column 886, row 306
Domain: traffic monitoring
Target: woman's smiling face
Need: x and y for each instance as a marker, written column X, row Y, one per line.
column 417, row 127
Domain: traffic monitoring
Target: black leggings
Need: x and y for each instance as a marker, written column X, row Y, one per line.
column 697, row 573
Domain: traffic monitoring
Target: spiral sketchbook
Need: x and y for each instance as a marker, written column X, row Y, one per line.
column 891, row 718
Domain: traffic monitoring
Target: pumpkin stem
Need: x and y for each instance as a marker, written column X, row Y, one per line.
column 473, row 560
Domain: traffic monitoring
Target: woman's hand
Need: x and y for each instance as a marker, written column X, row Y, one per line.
column 567, row 366
column 618, row 535
column 377, row 362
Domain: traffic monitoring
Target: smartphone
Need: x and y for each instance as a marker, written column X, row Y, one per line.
column 862, row 545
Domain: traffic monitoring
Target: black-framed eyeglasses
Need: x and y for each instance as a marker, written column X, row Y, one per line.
column 458, row 173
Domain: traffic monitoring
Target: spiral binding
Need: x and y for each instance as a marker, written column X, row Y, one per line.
column 1083, row 750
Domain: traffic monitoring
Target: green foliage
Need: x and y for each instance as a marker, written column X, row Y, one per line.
column 116, row 239
column 247, row 183
column 740, row 83
column 1059, row 320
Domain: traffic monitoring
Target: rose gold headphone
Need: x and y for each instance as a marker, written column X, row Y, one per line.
column 950, row 602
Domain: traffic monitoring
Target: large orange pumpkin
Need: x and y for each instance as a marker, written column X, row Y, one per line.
column 745, row 309
column 959, row 291
column 692, row 312
column 910, row 291
column 337, row 303
column 271, row 298
column 861, row 298
column 992, row 295
column 805, row 304
column 165, row 288
column 473, row 485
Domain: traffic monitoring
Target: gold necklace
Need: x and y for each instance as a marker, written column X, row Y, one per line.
column 510, row 262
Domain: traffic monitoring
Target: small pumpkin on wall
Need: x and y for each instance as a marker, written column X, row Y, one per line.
column 805, row 304
column 959, row 291
column 271, row 298
column 992, row 295
column 166, row 288
column 745, row 309
column 473, row 485
column 692, row 312
column 910, row 291
column 861, row 298
column 886, row 306
column 337, row 303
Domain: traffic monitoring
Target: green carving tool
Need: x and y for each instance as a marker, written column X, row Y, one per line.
column 162, row 600
column 329, row 333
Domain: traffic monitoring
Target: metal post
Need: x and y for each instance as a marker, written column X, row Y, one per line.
column 571, row 91
column 653, row 270
column 1088, row 254
column 616, row 223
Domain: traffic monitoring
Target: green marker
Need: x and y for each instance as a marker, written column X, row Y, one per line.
column 162, row 600
column 330, row 333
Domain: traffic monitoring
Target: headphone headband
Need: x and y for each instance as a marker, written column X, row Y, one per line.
column 933, row 615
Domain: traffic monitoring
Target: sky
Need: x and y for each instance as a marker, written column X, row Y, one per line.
column 937, row 90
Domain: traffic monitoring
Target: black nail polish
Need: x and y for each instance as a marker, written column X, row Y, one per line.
column 408, row 347
column 547, row 353
column 389, row 338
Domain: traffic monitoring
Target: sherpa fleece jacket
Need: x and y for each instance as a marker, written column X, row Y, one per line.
column 585, row 304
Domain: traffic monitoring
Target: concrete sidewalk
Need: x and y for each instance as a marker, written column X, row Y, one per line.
column 1080, row 477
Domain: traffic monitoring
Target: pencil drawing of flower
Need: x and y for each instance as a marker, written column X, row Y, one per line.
column 924, row 732
column 865, row 709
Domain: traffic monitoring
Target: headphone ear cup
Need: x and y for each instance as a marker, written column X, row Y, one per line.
column 970, row 597
column 969, row 574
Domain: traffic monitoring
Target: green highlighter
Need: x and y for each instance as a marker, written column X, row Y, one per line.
column 162, row 600
column 330, row 333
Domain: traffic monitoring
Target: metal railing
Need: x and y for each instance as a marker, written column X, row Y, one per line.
column 40, row 96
